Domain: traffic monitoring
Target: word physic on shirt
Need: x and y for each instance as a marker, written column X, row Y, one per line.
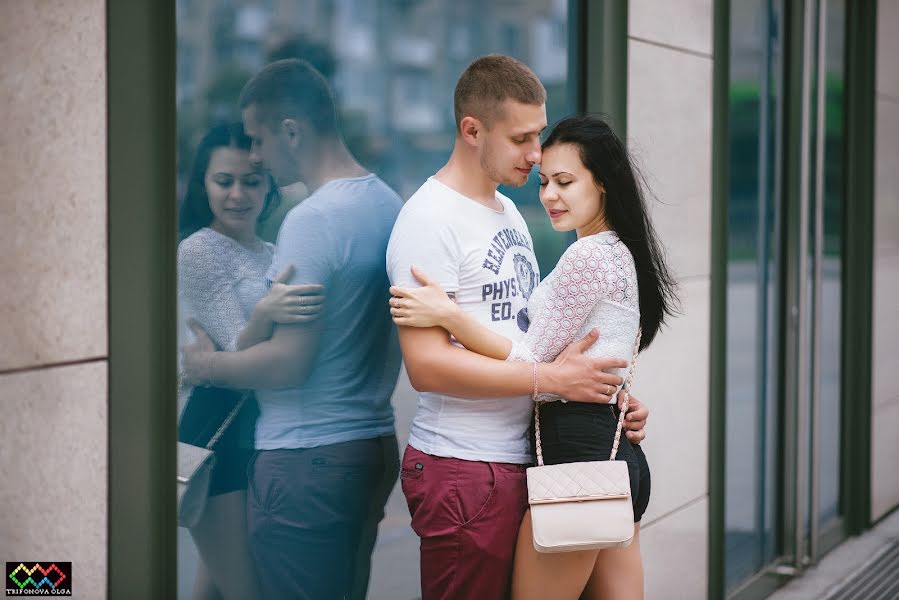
column 500, row 290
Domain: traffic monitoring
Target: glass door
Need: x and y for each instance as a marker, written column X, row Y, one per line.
column 752, row 509
column 818, row 299
column 783, row 413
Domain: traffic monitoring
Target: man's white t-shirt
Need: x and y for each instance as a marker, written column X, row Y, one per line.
column 485, row 258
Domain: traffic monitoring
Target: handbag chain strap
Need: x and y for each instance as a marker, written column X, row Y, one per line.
column 231, row 416
column 625, row 389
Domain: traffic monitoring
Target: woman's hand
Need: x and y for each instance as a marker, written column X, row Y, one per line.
column 286, row 304
column 427, row 306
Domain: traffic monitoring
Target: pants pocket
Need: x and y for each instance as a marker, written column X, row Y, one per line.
column 475, row 489
column 260, row 484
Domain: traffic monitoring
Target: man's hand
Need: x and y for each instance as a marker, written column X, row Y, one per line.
column 196, row 358
column 575, row 376
column 635, row 419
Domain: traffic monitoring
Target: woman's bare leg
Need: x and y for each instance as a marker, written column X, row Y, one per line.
column 617, row 573
column 542, row 576
column 204, row 589
column 221, row 538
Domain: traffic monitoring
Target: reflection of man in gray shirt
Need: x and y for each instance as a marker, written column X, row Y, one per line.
column 328, row 454
column 335, row 238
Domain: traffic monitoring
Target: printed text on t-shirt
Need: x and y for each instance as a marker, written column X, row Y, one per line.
column 502, row 241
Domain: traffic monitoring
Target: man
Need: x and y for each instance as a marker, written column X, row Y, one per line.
column 463, row 472
column 327, row 452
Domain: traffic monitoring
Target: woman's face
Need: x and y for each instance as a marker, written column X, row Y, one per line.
column 571, row 197
column 236, row 192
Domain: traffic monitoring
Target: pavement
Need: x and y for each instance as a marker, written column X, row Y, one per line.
column 842, row 563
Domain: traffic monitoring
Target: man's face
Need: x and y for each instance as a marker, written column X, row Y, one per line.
column 270, row 150
column 511, row 145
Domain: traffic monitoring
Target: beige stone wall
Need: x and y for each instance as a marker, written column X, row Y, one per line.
column 885, row 352
column 670, row 133
column 53, row 324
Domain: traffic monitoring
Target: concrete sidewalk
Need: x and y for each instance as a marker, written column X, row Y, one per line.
column 842, row 563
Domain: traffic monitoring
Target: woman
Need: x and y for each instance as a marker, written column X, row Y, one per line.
column 222, row 265
column 587, row 185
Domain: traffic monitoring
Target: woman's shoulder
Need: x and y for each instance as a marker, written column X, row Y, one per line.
column 603, row 255
column 199, row 239
column 204, row 247
column 598, row 246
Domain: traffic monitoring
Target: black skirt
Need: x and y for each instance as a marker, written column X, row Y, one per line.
column 583, row 431
column 203, row 415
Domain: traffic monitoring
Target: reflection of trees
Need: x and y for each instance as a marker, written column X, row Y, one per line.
column 297, row 45
column 223, row 91
column 745, row 131
column 219, row 106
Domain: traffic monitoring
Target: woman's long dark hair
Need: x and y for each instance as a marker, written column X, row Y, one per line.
column 625, row 211
column 195, row 213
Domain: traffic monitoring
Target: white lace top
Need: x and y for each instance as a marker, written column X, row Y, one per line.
column 219, row 283
column 593, row 285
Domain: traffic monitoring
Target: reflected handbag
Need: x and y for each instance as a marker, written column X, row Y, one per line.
column 195, row 462
column 582, row 505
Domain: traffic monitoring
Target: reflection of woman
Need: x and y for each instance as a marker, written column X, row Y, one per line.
column 222, row 287
column 587, row 185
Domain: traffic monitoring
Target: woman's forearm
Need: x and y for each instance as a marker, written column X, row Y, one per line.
column 476, row 337
column 257, row 330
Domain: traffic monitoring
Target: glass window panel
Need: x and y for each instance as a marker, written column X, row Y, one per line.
column 392, row 66
column 832, row 264
column 753, row 264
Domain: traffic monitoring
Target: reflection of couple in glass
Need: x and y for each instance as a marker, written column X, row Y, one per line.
column 326, row 455
column 222, row 266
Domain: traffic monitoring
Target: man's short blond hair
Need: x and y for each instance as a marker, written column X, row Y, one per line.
column 488, row 82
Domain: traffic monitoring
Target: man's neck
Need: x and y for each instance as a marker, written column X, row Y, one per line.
column 327, row 163
column 463, row 173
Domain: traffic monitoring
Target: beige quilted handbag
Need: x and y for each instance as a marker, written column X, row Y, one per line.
column 582, row 505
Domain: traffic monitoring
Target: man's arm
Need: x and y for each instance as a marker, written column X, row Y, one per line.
column 436, row 365
column 635, row 420
column 280, row 362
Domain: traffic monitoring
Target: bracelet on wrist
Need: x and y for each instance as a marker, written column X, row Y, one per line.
column 210, row 369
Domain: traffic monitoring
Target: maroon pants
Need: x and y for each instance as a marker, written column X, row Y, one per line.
column 467, row 515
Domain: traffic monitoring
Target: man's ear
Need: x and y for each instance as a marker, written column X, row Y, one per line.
column 472, row 130
column 293, row 130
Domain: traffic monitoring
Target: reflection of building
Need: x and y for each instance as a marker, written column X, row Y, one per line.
column 396, row 61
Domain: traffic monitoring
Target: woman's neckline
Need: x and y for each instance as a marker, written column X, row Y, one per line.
column 259, row 246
